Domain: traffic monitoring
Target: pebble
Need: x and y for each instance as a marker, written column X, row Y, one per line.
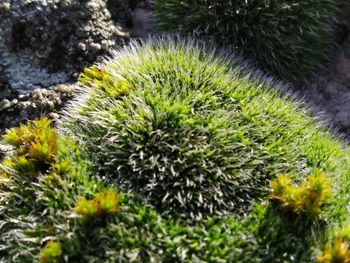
column 53, row 115
column 5, row 104
column 95, row 47
column 81, row 46
column 64, row 89
column 22, row 105
column 5, row 148
column 14, row 102
column 5, row 7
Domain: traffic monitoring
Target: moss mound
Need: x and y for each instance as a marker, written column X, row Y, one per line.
column 185, row 130
column 95, row 200
column 289, row 38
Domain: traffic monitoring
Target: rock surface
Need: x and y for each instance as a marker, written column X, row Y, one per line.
column 46, row 43
column 65, row 34
column 40, row 101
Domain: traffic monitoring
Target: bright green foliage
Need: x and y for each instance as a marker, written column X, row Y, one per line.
column 306, row 198
column 287, row 37
column 51, row 253
column 103, row 205
column 338, row 252
column 344, row 230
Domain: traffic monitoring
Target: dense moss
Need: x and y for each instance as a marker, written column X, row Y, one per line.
column 95, row 200
column 183, row 128
column 287, row 37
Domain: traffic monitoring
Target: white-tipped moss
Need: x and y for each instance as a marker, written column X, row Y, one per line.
column 191, row 131
column 177, row 121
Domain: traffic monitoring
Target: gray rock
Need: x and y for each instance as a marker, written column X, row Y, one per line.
column 35, row 104
column 343, row 66
column 23, row 71
column 54, row 116
column 143, row 22
column 328, row 96
column 346, row 47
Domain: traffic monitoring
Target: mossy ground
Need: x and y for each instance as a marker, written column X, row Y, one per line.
column 158, row 122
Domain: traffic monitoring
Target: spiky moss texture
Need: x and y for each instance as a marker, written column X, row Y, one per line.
column 54, row 207
column 187, row 130
column 289, row 38
column 50, row 214
column 183, row 128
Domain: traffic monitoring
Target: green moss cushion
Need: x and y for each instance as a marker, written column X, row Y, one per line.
column 183, row 128
column 176, row 150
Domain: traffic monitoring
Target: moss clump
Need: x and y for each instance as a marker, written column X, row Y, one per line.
column 35, row 144
column 191, row 135
column 103, row 205
column 287, row 37
column 306, row 199
column 51, row 253
column 338, row 252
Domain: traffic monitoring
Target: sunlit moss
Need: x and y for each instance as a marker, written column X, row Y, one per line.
column 337, row 252
column 306, row 198
column 51, row 253
column 103, row 205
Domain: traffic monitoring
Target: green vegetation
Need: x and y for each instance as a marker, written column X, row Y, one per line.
column 306, row 198
column 176, row 157
column 289, row 38
column 103, row 205
column 36, row 147
column 338, row 252
column 338, row 248
column 190, row 134
column 52, row 253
